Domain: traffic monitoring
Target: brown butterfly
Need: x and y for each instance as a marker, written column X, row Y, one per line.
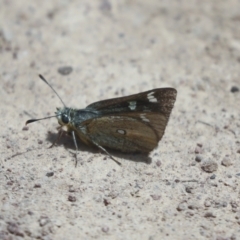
column 135, row 123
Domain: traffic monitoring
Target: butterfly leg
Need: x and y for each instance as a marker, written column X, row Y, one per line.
column 104, row 150
column 60, row 132
column 76, row 146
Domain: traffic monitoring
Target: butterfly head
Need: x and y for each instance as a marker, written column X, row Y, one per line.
column 64, row 116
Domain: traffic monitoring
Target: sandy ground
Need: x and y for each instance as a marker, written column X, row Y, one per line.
column 190, row 190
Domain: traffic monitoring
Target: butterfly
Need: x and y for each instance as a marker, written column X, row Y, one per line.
column 134, row 123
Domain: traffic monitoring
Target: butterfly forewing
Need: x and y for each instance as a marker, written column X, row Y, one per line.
column 156, row 100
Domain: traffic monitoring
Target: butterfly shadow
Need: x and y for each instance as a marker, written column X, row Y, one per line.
column 67, row 141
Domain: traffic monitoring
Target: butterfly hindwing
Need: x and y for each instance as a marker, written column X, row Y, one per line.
column 122, row 133
column 133, row 132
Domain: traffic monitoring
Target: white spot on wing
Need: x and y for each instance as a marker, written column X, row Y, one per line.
column 132, row 105
column 143, row 117
column 151, row 98
column 121, row 131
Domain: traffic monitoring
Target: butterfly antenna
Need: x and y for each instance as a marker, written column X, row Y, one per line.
column 35, row 120
column 52, row 89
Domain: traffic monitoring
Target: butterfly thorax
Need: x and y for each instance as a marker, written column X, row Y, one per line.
column 73, row 118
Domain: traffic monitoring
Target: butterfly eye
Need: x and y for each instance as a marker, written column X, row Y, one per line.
column 65, row 119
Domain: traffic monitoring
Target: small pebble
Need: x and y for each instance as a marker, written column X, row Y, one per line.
column 207, row 203
column 190, row 214
column 189, row 189
column 198, row 158
column 49, row 174
column 193, row 206
column 226, row 162
column 155, row 197
column 13, row 228
column 65, row 70
column 209, row 166
column 234, row 204
column 213, row 176
column 198, row 150
column 105, row 229
column 158, row 163
column 106, row 202
column 71, row 189
column 209, row 215
column 25, row 128
column 43, row 221
column 30, row 212
column 182, row 206
column 234, row 89
column 71, row 198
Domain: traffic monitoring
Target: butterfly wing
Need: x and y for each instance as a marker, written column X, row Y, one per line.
column 133, row 123
column 134, row 132
column 160, row 100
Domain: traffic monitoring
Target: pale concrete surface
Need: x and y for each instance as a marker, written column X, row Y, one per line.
column 118, row 48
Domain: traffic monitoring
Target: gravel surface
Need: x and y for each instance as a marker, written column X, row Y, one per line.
column 95, row 50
